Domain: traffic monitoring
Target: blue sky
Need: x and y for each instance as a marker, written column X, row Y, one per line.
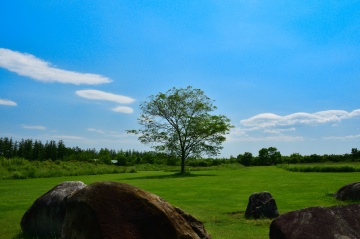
column 287, row 73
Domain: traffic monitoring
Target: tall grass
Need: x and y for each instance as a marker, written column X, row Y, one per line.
column 324, row 167
column 18, row 168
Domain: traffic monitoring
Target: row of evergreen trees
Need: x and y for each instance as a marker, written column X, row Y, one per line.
column 51, row 150
column 35, row 150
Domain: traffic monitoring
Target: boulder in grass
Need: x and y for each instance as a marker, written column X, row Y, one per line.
column 117, row 210
column 44, row 219
column 349, row 192
column 195, row 224
column 338, row 222
column 261, row 205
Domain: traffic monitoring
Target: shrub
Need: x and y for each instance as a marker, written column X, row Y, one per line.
column 131, row 170
column 17, row 175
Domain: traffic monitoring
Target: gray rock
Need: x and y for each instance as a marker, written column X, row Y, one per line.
column 261, row 205
column 46, row 215
column 338, row 222
column 117, row 210
column 348, row 192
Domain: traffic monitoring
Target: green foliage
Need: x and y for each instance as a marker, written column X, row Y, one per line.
column 271, row 156
column 37, row 151
column 246, row 159
column 207, row 162
column 57, row 151
column 268, row 156
column 18, row 168
column 355, row 154
column 179, row 123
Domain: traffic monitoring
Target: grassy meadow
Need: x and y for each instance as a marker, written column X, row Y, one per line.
column 216, row 197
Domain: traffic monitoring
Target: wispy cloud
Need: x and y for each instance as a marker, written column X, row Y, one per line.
column 284, row 138
column 113, row 134
column 272, row 127
column 96, row 130
column 250, row 135
column 347, row 137
column 101, row 95
column 36, row 127
column 69, row 137
column 28, row 65
column 268, row 120
column 7, row 102
column 279, row 131
column 123, row 109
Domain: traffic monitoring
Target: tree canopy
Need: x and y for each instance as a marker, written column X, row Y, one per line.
column 179, row 122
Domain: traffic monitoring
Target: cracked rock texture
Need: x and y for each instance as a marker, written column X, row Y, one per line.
column 338, row 222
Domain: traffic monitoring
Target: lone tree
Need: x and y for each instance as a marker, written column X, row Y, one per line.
column 178, row 122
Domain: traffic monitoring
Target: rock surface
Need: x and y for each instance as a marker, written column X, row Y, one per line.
column 338, row 222
column 195, row 224
column 117, row 210
column 261, row 205
column 349, row 192
column 45, row 217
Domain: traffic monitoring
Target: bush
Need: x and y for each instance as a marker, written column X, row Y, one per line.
column 131, row 170
column 18, row 175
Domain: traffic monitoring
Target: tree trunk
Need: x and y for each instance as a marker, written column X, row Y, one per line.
column 182, row 165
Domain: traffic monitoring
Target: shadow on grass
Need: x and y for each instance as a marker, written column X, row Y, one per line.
column 21, row 235
column 175, row 175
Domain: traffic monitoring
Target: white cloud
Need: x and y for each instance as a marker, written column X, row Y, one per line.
column 101, row 95
column 272, row 127
column 37, row 127
column 285, row 138
column 279, row 131
column 30, row 66
column 7, row 102
column 123, row 109
column 347, row 137
column 69, row 137
column 247, row 138
column 96, row 130
column 267, row 120
column 250, row 135
column 107, row 133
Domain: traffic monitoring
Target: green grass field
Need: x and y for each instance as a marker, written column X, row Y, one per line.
column 216, row 197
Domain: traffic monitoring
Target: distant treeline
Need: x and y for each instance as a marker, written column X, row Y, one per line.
column 35, row 150
column 271, row 156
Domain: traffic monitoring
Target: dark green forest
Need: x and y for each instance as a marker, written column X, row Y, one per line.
column 35, row 150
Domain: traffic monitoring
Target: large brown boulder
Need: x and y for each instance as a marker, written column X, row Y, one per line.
column 261, row 205
column 117, row 210
column 195, row 224
column 338, row 222
column 349, row 192
column 44, row 219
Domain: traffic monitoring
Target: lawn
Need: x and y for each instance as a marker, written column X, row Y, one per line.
column 216, row 197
